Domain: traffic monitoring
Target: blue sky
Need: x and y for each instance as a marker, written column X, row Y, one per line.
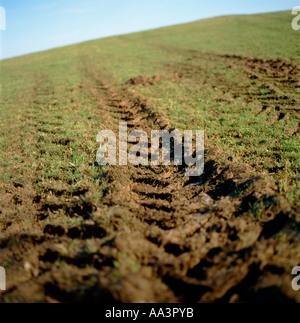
column 35, row 25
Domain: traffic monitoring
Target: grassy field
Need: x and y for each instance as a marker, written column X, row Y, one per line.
column 236, row 77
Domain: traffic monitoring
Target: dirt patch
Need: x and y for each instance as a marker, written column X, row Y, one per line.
column 200, row 240
column 280, row 69
column 157, row 235
column 144, row 80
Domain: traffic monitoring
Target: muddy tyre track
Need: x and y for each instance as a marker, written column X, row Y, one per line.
column 156, row 235
column 203, row 240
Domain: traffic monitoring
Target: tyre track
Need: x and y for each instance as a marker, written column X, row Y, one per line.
column 158, row 236
column 183, row 233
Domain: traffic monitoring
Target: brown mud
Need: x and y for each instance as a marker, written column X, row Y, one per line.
column 157, row 236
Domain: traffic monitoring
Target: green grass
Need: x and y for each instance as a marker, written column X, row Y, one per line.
column 50, row 115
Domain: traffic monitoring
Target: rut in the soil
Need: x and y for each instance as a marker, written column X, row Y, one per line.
column 167, row 238
column 196, row 240
column 275, row 81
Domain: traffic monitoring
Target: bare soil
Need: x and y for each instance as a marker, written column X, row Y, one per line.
column 157, row 236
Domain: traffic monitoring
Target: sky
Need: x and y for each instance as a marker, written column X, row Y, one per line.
column 36, row 25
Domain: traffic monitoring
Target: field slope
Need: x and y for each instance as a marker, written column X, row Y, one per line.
column 71, row 231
